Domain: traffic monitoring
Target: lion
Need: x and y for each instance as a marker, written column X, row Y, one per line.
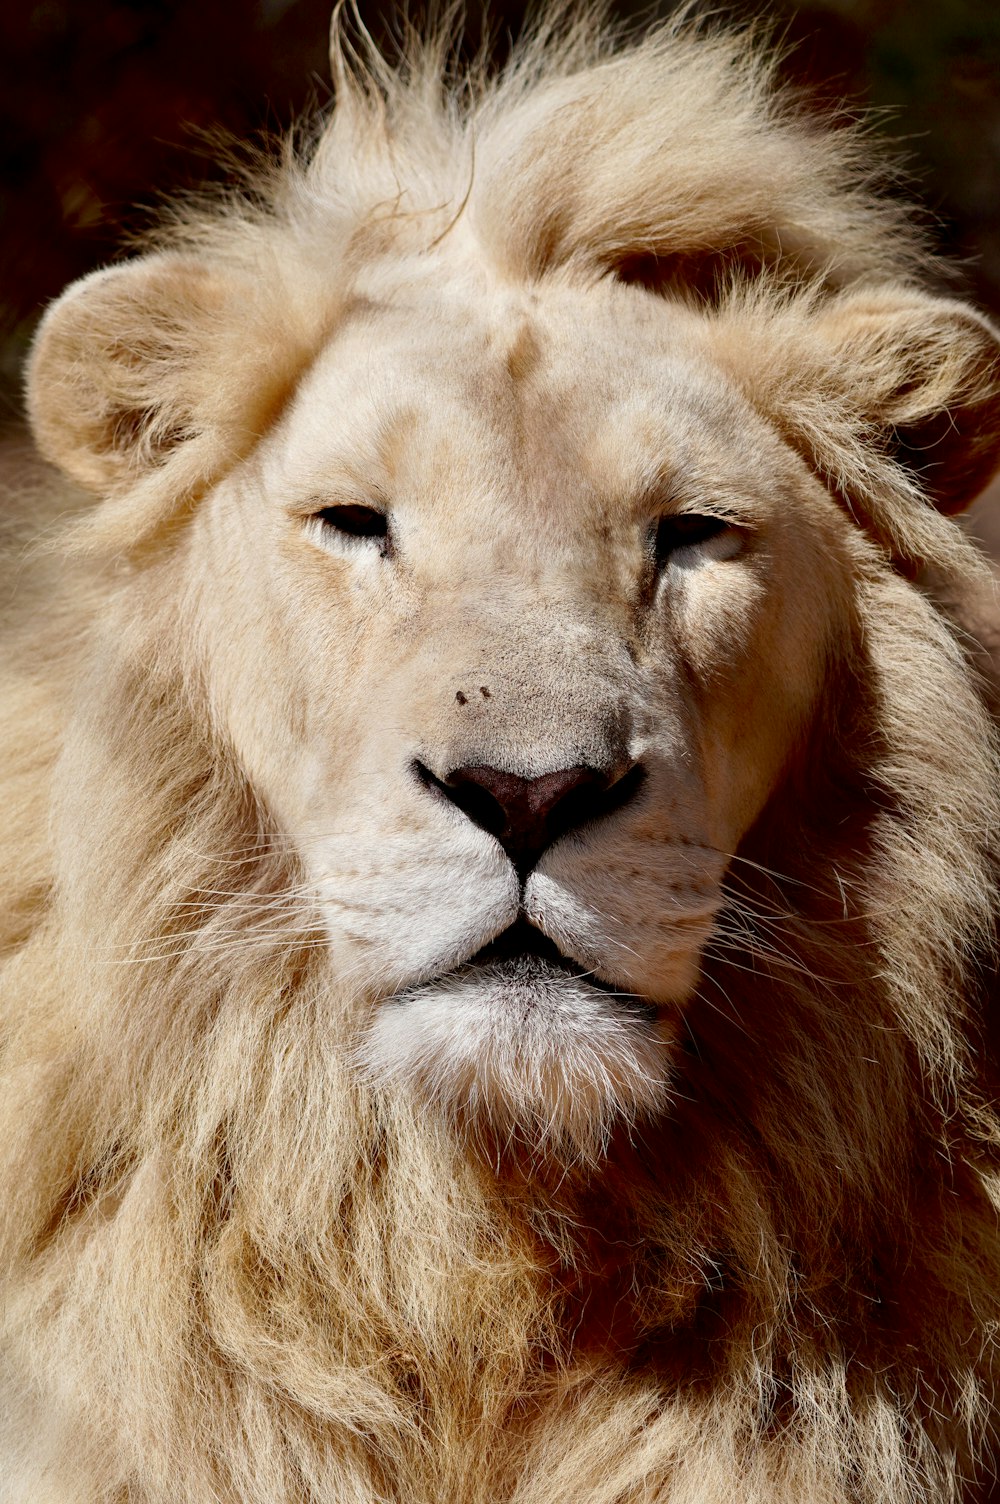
column 502, row 810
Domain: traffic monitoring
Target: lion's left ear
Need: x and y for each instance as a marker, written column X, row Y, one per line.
column 923, row 376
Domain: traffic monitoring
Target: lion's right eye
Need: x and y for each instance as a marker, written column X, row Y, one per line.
column 352, row 521
column 355, row 521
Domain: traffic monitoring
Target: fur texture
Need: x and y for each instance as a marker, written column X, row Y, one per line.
column 295, row 1208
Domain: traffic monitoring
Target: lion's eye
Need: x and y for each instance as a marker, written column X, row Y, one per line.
column 349, row 522
column 684, row 530
column 355, row 521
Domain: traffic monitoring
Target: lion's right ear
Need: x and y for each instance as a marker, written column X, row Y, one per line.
column 116, row 379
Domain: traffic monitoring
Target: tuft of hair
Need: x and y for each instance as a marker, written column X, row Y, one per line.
column 672, row 162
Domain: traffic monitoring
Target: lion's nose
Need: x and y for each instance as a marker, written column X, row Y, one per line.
column 527, row 814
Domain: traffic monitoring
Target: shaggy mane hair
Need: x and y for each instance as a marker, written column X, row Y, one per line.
column 236, row 1271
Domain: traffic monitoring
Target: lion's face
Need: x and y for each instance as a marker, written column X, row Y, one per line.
column 525, row 611
column 511, row 583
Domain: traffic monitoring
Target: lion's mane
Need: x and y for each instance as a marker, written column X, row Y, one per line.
column 236, row 1270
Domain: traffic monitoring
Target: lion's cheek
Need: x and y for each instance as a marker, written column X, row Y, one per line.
column 754, row 668
column 638, row 928
column 399, row 909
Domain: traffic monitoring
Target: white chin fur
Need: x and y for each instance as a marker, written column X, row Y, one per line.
column 530, row 1053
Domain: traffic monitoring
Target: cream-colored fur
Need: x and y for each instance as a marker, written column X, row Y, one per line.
column 304, row 1201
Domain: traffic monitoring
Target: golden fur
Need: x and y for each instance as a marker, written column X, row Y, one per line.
column 273, row 1229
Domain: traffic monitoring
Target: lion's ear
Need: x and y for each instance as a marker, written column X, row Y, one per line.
column 923, row 374
column 116, row 373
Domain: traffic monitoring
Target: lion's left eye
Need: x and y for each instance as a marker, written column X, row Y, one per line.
column 685, row 530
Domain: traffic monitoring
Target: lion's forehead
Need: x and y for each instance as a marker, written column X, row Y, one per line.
column 571, row 402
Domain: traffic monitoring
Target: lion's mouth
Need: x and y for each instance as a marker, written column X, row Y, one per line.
column 521, row 949
column 524, row 1041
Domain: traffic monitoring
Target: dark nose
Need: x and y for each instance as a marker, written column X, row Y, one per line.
column 527, row 814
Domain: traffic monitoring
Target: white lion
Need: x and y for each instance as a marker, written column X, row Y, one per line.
column 503, row 818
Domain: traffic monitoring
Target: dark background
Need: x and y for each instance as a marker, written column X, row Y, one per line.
column 98, row 99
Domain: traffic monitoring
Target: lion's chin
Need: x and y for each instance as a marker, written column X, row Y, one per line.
column 527, row 1051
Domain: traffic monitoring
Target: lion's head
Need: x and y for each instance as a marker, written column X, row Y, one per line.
column 519, row 611
column 516, row 691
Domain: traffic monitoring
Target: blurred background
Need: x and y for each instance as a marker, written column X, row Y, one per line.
column 104, row 106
